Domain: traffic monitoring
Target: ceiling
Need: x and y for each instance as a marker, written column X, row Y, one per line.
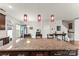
column 62, row 11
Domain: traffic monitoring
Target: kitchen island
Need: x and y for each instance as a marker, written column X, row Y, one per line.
column 47, row 47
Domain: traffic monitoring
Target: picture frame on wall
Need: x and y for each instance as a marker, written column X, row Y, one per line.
column 58, row 28
column 31, row 28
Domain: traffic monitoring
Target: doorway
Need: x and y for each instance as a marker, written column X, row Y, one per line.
column 23, row 30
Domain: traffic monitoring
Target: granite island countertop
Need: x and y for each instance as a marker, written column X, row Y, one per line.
column 40, row 44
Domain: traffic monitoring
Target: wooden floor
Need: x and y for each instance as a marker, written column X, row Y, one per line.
column 44, row 44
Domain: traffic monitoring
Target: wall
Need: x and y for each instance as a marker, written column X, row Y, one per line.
column 14, row 25
column 2, row 33
column 45, row 26
column 65, row 25
column 77, row 29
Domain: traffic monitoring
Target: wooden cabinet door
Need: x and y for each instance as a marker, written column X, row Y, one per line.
column 2, row 22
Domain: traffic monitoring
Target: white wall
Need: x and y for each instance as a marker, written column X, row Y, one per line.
column 65, row 26
column 18, row 31
column 3, row 34
column 45, row 26
column 14, row 23
column 77, row 29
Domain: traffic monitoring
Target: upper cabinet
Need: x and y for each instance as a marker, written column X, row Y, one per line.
column 2, row 21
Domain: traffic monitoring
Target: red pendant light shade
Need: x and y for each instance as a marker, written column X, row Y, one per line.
column 39, row 18
column 52, row 18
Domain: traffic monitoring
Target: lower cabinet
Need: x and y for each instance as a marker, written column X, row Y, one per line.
column 4, row 41
column 40, row 53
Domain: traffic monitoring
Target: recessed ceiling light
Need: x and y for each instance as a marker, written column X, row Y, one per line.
column 10, row 6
